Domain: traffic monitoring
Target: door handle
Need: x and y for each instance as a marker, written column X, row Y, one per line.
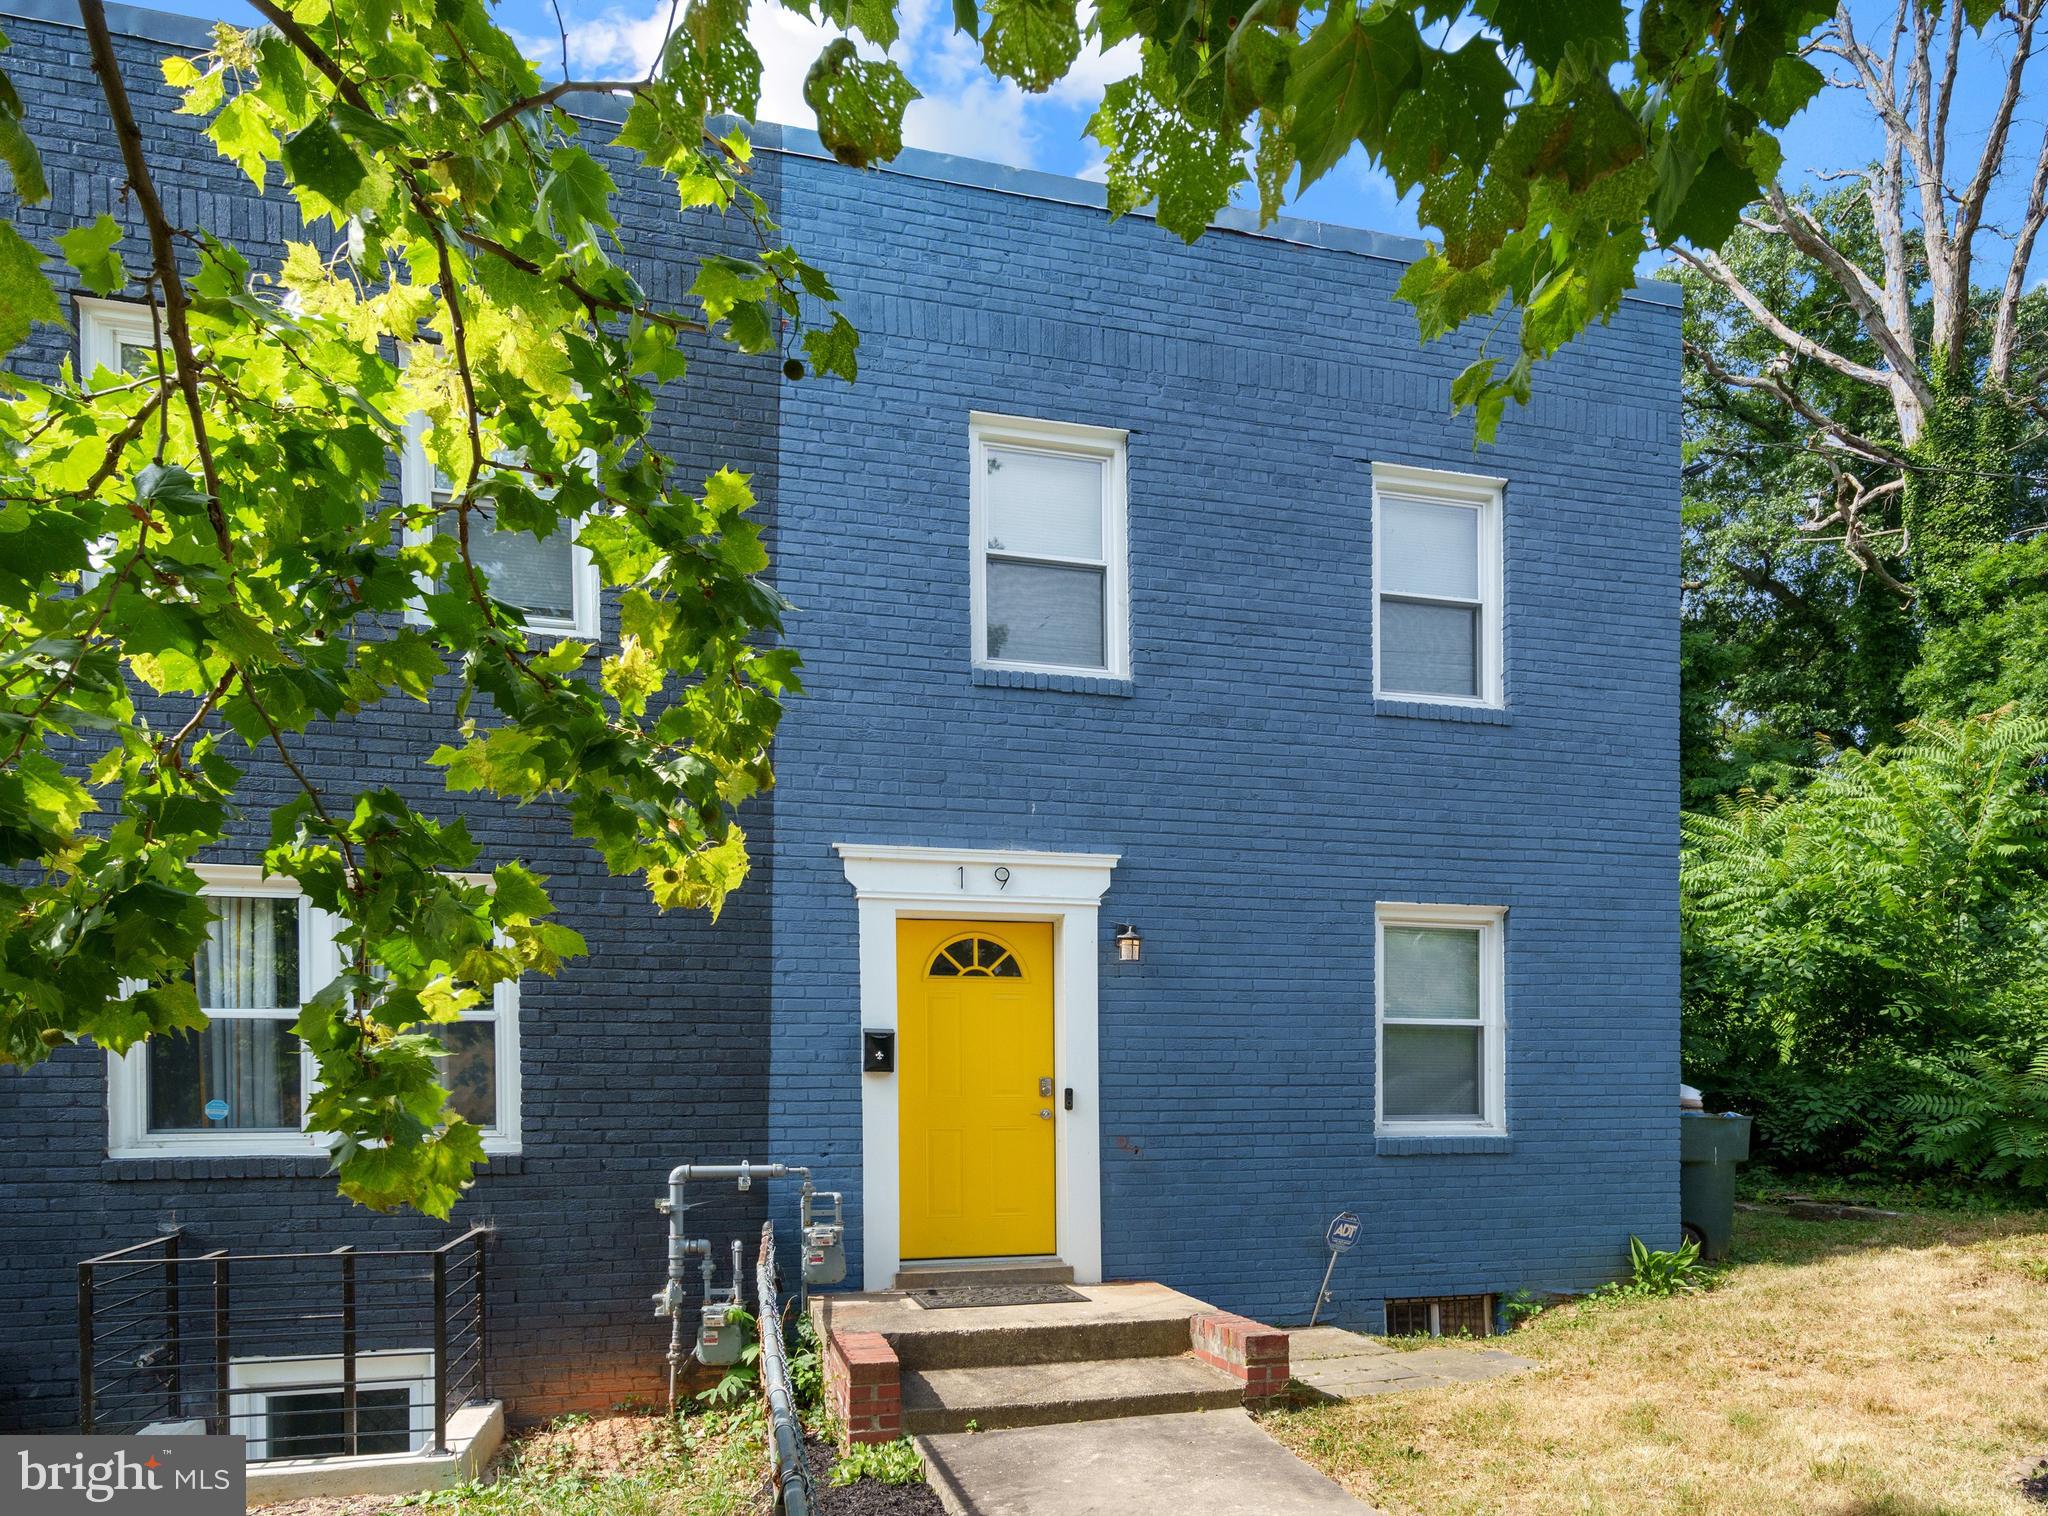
column 1044, row 1114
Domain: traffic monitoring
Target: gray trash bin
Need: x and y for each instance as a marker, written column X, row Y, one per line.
column 1709, row 1147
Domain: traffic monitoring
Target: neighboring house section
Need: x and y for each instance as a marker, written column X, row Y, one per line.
column 1145, row 592
column 651, row 1049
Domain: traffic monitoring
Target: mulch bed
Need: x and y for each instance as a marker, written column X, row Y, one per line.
column 865, row 1497
column 2035, row 1485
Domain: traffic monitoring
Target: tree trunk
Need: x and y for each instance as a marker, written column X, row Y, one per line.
column 1959, row 494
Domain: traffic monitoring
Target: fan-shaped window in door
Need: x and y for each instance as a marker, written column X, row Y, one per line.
column 979, row 957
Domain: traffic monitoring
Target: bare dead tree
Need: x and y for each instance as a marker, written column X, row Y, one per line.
column 1930, row 216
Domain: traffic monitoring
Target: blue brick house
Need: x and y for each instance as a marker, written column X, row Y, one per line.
column 1236, row 797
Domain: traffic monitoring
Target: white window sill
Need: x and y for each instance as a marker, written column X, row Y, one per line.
column 279, row 1148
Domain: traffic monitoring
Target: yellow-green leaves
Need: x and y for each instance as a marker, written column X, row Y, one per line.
column 834, row 349
column 1033, row 42
column 17, row 151
column 25, row 295
column 859, row 104
column 1155, row 152
column 90, row 249
column 327, row 173
column 253, row 565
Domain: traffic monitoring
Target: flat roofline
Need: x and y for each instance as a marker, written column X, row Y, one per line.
column 912, row 163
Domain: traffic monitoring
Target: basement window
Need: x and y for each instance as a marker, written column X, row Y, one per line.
column 1441, row 1316
column 293, row 1407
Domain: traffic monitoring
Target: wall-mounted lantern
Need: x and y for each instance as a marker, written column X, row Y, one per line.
column 1128, row 943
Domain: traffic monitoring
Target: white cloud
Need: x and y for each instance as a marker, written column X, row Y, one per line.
column 788, row 44
column 1093, row 72
column 982, row 118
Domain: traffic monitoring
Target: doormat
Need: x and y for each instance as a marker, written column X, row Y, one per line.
column 955, row 1297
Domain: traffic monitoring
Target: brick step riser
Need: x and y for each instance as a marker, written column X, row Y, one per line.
column 920, row 1420
column 1052, row 1344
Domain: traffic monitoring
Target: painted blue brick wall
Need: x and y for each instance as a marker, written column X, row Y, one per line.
column 1260, row 802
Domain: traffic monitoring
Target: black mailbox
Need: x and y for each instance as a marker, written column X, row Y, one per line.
column 878, row 1052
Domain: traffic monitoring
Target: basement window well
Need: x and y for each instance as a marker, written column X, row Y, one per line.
column 295, row 1407
column 1441, row 1316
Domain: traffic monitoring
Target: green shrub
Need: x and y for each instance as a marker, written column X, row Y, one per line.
column 1987, row 1116
column 1863, row 959
column 806, row 1364
column 1655, row 1275
column 890, row 1462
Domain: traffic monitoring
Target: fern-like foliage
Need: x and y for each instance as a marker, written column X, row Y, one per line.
column 1877, row 944
column 1988, row 1116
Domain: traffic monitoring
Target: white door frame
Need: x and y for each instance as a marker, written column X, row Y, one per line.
column 927, row 883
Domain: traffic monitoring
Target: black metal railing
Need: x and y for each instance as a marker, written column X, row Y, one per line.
column 307, row 1355
column 789, row 1469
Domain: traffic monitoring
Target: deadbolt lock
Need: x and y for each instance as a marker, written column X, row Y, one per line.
column 1045, row 1086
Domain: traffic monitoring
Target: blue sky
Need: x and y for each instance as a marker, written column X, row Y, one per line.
column 967, row 112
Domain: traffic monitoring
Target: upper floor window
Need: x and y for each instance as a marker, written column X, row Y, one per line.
column 1441, row 1000
column 1436, row 547
column 1048, row 525
column 240, row 1084
column 552, row 583
column 116, row 335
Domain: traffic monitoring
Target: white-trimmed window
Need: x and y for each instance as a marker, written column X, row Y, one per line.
column 553, row 583
column 1437, row 575
column 120, row 337
column 292, row 1407
column 1441, row 1016
column 1047, row 523
column 240, row 1085
column 117, row 335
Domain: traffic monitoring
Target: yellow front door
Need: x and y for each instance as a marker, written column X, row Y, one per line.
column 974, row 1077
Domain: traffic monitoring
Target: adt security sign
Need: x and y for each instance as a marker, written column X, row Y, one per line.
column 216, row 1110
column 1340, row 1237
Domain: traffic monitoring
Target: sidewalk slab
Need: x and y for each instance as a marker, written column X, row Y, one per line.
column 1346, row 1366
column 1202, row 1463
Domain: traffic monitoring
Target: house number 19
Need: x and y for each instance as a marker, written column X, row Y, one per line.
column 1000, row 875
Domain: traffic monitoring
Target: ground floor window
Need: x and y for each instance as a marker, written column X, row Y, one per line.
column 1441, row 1316
column 293, row 1407
column 240, row 1084
column 1441, row 1014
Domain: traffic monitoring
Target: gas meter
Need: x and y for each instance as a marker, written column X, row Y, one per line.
column 824, row 1242
column 719, row 1337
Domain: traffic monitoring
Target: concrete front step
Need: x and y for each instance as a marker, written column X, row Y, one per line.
column 1110, row 1321
column 1040, row 1394
column 939, row 1276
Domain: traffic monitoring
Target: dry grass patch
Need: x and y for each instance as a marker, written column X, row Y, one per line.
column 1891, row 1368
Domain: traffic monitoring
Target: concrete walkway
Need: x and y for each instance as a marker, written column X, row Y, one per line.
column 1202, row 1463
column 1345, row 1366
